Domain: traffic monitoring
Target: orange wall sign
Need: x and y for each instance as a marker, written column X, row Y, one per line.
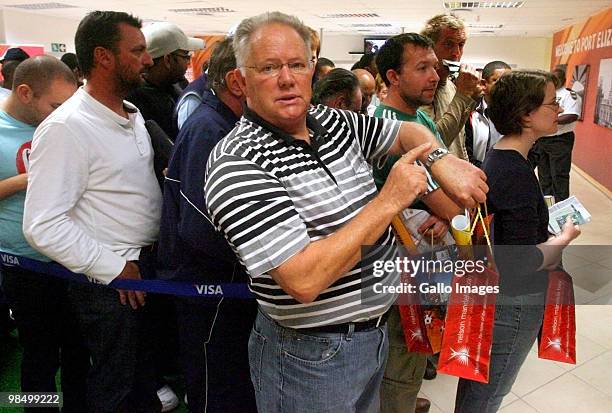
column 586, row 49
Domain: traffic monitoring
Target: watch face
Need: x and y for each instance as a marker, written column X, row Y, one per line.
column 435, row 155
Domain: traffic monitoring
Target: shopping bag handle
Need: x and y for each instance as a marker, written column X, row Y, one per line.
column 480, row 217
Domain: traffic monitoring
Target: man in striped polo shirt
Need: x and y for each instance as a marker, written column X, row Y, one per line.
column 291, row 190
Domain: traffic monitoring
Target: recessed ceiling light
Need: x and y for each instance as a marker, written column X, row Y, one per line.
column 382, row 31
column 365, row 25
column 482, row 4
column 348, row 15
column 206, row 11
column 485, row 26
column 42, row 6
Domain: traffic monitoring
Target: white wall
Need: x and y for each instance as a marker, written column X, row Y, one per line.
column 2, row 35
column 30, row 28
column 520, row 52
column 524, row 52
column 336, row 48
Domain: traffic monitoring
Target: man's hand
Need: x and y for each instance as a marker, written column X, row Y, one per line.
column 468, row 82
column 406, row 181
column 434, row 225
column 461, row 181
column 136, row 298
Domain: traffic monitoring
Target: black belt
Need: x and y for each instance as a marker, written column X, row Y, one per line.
column 345, row 328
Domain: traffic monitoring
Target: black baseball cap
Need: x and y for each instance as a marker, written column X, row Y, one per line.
column 14, row 53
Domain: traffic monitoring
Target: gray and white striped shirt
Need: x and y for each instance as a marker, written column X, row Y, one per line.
column 271, row 195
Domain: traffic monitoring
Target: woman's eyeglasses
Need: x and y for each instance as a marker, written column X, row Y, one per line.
column 556, row 104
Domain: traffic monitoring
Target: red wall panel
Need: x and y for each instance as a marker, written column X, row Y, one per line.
column 588, row 42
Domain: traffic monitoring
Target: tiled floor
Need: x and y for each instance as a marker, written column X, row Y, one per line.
column 545, row 386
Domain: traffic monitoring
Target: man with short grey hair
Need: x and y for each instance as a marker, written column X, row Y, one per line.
column 291, row 189
column 453, row 101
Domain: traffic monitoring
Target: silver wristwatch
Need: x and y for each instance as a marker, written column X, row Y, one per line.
column 435, row 155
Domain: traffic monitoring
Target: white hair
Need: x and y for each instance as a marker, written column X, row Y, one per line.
column 246, row 28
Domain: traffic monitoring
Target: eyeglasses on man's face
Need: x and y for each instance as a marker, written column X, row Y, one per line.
column 299, row 67
column 183, row 55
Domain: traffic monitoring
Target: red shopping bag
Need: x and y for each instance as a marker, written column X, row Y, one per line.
column 468, row 330
column 409, row 305
column 470, row 315
column 557, row 340
column 412, row 318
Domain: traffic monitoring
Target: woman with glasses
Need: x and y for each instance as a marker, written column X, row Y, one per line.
column 523, row 109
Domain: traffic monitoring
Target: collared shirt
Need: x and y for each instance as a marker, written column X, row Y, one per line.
column 272, row 195
column 15, row 142
column 93, row 200
column 571, row 104
column 189, row 245
column 388, row 112
column 481, row 134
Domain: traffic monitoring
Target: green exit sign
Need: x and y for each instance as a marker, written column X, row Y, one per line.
column 58, row 47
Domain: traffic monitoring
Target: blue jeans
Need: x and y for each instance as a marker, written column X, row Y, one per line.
column 322, row 372
column 517, row 324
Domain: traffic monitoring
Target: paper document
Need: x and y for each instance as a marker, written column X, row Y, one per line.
column 558, row 213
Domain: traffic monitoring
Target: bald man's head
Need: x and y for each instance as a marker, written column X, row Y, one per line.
column 41, row 84
column 40, row 71
column 367, row 84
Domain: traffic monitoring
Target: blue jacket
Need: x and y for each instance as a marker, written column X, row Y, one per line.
column 190, row 248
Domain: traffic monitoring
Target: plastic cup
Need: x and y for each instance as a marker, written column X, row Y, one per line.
column 460, row 228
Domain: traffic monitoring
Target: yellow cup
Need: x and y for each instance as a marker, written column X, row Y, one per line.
column 460, row 228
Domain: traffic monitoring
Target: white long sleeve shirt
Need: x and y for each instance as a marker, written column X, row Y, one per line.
column 92, row 201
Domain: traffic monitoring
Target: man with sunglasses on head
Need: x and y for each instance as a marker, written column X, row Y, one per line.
column 291, row 190
column 171, row 51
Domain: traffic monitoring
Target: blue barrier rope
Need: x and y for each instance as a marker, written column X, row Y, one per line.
column 181, row 288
